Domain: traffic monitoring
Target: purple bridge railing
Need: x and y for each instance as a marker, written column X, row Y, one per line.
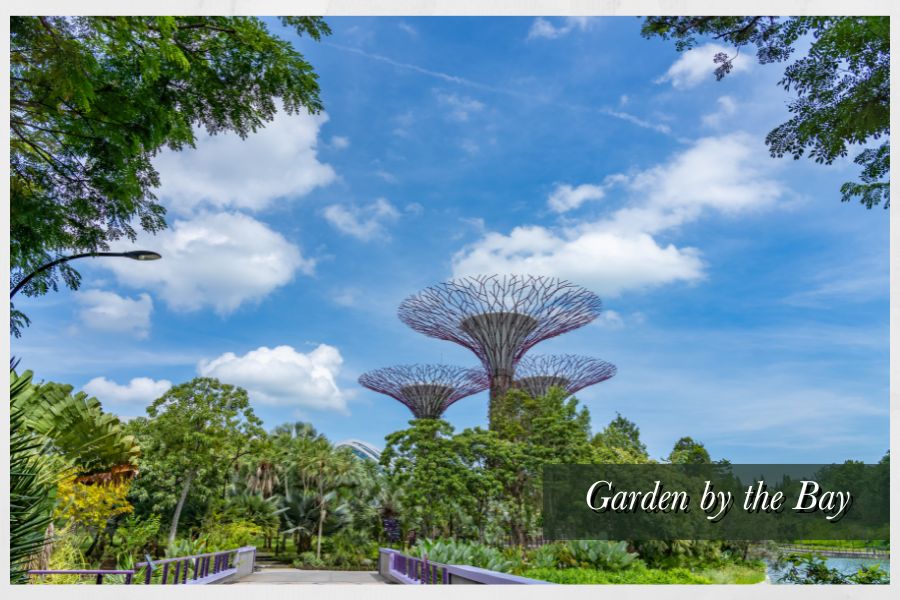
column 198, row 569
column 397, row 567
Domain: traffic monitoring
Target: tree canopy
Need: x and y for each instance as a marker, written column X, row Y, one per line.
column 842, row 85
column 193, row 436
column 94, row 99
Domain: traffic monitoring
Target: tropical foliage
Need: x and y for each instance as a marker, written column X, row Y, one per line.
column 93, row 99
column 209, row 477
column 842, row 85
column 30, row 493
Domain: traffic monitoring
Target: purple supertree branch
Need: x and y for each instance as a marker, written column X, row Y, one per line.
column 553, row 306
column 427, row 390
column 537, row 373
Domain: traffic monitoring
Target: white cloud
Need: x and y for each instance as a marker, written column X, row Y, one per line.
column 460, row 108
column 542, row 28
column 362, row 222
column 220, row 260
column 281, row 376
column 726, row 107
column 340, row 142
column 225, row 171
column 565, row 198
column 108, row 311
column 607, row 262
column 471, row 147
column 407, row 28
column 610, row 319
column 696, row 66
column 727, row 174
column 386, row 176
column 137, row 394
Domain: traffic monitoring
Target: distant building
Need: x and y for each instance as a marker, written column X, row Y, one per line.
column 364, row 450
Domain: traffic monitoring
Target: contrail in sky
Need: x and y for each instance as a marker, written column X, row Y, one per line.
column 661, row 128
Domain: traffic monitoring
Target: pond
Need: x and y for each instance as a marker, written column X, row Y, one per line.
column 845, row 565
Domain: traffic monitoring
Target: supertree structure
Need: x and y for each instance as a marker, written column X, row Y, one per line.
column 427, row 390
column 536, row 374
column 499, row 317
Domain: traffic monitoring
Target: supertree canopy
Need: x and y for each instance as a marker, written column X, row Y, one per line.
column 537, row 374
column 499, row 317
column 427, row 390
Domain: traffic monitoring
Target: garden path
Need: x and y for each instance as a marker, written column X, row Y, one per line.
column 301, row 576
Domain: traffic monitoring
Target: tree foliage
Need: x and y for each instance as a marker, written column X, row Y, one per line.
column 842, row 85
column 91, row 505
column 688, row 452
column 94, row 99
column 30, row 493
column 620, row 443
column 192, row 437
column 77, row 429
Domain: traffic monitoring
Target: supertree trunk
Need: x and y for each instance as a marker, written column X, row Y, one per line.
column 500, row 384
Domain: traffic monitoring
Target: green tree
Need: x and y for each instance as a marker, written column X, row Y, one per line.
column 193, row 434
column 688, row 452
column 93, row 99
column 842, row 85
column 620, row 442
column 423, row 462
column 535, row 431
column 325, row 470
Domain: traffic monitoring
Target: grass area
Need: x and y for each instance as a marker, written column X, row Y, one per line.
column 730, row 574
column 735, row 574
column 627, row 576
column 846, row 544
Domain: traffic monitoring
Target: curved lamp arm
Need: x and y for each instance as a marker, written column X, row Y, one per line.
column 134, row 255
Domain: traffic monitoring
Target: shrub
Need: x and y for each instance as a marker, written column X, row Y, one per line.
column 638, row 575
column 595, row 554
column 668, row 554
column 350, row 549
column 134, row 536
column 91, row 505
column 227, row 536
column 453, row 552
column 308, row 560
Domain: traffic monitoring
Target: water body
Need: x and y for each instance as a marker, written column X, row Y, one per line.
column 847, row 566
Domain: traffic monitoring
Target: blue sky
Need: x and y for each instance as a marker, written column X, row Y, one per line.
column 745, row 305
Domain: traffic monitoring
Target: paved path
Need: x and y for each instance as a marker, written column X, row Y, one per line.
column 286, row 575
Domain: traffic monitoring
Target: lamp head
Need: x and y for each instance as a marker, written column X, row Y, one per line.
column 142, row 255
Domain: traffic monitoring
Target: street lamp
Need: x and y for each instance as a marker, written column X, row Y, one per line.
column 133, row 255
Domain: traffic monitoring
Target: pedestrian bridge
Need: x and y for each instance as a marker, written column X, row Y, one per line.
column 239, row 566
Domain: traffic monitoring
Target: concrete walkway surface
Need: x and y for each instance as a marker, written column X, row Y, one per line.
column 287, row 575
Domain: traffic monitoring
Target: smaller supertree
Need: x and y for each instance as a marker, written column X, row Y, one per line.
column 427, row 390
column 537, row 374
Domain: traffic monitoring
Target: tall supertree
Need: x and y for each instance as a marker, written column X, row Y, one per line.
column 499, row 318
column 536, row 374
column 427, row 390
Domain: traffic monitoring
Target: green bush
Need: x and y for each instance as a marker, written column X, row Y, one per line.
column 350, row 549
column 636, row 575
column 228, row 536
column 453, row 552
column 669, row 554
column 590, row 554
column 308, row 560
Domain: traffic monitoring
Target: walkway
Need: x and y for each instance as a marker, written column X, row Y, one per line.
column 290, row 575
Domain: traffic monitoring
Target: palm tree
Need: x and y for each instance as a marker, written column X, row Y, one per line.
column 325, row 470
column 30, row 494
column 264, row 479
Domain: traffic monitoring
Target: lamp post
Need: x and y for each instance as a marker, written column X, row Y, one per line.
column 133, row 255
